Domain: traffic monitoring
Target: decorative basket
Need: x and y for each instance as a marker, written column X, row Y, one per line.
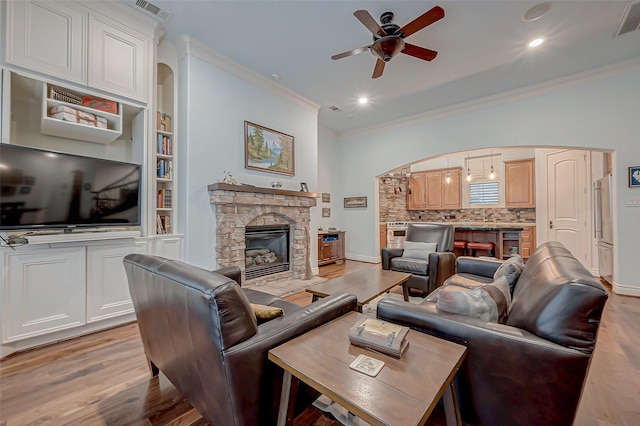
column 58, row 94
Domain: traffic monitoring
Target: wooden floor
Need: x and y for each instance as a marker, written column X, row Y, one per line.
column 102, row 379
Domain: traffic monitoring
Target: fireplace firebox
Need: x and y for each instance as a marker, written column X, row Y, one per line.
column 266, row 250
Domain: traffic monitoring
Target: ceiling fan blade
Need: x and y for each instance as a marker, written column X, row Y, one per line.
column 379, row 69
column 350, row 52
column 422, row 21
column 419, row 52
column 368, row 21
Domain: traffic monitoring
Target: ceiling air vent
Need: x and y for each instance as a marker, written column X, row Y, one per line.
column 630, row 20
column 334, row 108
column 153, row 10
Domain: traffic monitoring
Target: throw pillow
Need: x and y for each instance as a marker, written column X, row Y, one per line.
column 417, row 250
column 265, row 313
column 489, row 302
column 511, row 270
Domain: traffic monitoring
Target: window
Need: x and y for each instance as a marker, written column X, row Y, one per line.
column 482, row 191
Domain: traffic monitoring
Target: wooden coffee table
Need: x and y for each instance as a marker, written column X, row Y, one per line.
column 404, row 392
column 366, row 284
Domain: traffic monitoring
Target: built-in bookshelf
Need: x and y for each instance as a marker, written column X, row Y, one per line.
column 165, row 152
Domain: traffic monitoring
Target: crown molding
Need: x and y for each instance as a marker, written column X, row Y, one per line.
column 187, row 45
column 515, row 95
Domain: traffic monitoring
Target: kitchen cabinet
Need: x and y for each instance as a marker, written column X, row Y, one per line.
column 416, row 197
column 70, row 41
column 330, row 247
column 528, row 241
column 383, row 235
column 520, row 189
column 430, row 191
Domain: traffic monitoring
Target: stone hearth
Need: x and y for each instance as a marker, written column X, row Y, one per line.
column 239, row 206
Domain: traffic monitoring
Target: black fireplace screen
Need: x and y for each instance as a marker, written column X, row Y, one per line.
column 267, row 250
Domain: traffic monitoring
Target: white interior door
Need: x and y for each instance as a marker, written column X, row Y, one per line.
column 567, row 201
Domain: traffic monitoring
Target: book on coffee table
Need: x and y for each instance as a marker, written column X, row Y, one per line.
column 380, row 336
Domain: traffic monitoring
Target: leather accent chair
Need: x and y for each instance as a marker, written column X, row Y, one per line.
column 198, row 328
column 425, row 275
column 531, row 369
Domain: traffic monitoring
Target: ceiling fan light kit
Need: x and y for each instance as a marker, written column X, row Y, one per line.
column 388, row 38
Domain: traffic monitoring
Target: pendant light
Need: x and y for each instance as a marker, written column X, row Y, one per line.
column 468, row 169
column 492, row 174
column 447, row 178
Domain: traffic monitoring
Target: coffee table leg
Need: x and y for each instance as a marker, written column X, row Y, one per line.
column 287, row 399
column 451, row 408
column 405, row 291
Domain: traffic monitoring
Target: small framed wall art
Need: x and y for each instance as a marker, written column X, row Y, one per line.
column 326, row 212
column 326, row 197
column 634, row 177
column 268, row 150
column 352, row 202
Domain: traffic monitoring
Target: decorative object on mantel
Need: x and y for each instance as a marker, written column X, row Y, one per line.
column 303, row 187
column 276, row 185
column 268, row 150
column 228, row 179
column 326, row 212
column 352, row 202
column 326, row 197
column 634, row 177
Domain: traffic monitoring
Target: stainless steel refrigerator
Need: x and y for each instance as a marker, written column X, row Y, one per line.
column 604, row 227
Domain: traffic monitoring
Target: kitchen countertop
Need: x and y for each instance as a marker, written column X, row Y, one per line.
column 488, row 226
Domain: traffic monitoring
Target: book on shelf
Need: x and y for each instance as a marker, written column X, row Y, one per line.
column 380, row 336
column 159, row 227
column 164, row 198
column 165, row 145
column 164, row 169
column 164, row 224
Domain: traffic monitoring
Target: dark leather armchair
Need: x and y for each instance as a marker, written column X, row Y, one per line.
column 531, row 369
column 425, row 275
column 198, row 328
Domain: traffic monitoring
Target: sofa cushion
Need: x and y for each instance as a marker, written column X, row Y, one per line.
column 511, row 270
column 412, row 266
column 488, row 302
column 418, row 250
column 462, row 279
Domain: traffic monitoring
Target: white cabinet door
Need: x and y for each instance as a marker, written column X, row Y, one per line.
column 169, row 247
column 43, row 292
column 47, row 37
column 107, row 287
column 117, row 59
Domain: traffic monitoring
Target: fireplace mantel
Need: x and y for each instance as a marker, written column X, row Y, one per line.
column 256, row 189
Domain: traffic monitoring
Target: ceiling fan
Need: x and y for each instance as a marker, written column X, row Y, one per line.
column 388, row 38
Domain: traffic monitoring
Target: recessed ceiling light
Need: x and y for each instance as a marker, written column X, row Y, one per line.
column 275, row 76
column 363, row 100
column 536, row 42
column 536, row 12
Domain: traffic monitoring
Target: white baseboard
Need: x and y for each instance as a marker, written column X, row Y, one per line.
column 625, row 290
column 368, row 259
column 315, row 271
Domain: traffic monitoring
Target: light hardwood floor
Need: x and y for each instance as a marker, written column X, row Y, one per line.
column 102, row 378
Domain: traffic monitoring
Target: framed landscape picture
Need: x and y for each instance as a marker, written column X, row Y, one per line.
column 268, row 150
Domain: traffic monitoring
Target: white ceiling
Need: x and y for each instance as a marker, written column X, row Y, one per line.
column 481, row 49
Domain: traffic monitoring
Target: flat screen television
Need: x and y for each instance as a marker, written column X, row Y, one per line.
column 42, row 189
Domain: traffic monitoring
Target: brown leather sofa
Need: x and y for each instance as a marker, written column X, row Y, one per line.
column 425, row 275
column 198, row 328
column 531, row 369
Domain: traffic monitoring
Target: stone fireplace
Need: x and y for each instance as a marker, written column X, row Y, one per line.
column 238, row 207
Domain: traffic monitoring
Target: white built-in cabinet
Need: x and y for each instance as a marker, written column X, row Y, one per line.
column 72, row 42
column 107, row 288
column 65, row 285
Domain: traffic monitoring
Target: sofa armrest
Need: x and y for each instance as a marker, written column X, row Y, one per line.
column 473, row 265
column 387, row 254
column 441, row 266
column 232, row 272
column 541, row 380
